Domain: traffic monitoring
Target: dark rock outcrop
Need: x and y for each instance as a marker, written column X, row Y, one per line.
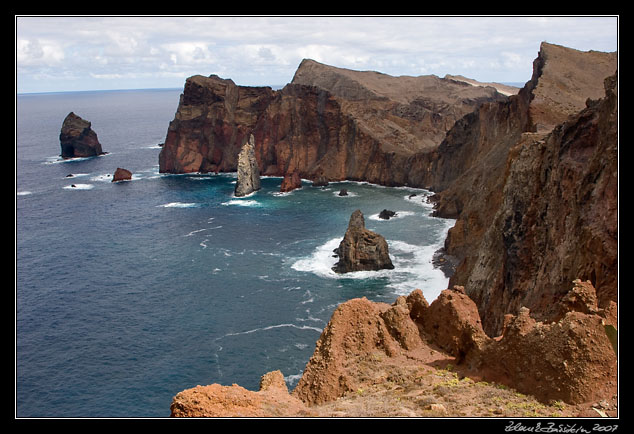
column 386, row 214
column 77, row 139
column 361, row 249
column 121, row 175
column 248, row 171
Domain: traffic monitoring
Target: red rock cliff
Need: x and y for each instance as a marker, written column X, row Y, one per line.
column 329, row 123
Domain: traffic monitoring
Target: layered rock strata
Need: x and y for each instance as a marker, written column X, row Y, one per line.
column 361, row 249
column 77, row 139
column 248, row 171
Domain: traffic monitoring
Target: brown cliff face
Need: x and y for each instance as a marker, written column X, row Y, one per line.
column 329, row 123
column 213, row 121
column 496, row 158
column 557, row 219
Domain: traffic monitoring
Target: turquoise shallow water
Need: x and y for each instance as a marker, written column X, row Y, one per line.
column 128, row 293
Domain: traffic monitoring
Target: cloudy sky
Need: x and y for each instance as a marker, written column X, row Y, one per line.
column 131, row 52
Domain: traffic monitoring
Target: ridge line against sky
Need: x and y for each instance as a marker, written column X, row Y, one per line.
column 72, row 53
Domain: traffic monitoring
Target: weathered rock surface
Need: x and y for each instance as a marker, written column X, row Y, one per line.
column 532, row 181
column 213, row 120
column 569, row 360
column 398, row 348
column 77, row 139
column 272, row 400
column 248, row 171
column 121, row 175
column 362, row 249
column 557, row 220
column 290, row 182
column 503, row 174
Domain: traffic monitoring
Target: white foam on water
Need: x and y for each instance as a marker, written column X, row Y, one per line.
column 79, row 187
column 350, row 194
column 23, row 193
column 242, row 202
column 399, row 215
column 321, row 261
column 194, row 232
column 413, row 266
column 178, row 205
column 105, row 177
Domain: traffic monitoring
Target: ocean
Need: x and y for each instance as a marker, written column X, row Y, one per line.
column 127, row 293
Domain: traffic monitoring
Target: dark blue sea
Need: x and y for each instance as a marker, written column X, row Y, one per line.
column 127, row 293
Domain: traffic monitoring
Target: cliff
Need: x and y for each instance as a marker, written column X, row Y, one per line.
column 522, row 186
column 328, row 123
column 532, row 180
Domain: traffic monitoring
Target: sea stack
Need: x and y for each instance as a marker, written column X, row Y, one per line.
column 77, row 139
column 362, row 249
column 291, row 182
column 121, row 175
column 248, row 171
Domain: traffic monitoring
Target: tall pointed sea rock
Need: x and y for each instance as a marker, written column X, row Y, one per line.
column 248, row 170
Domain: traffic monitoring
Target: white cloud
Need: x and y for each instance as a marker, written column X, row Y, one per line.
column 267, row 50
column 188, row 53
column 36, row 52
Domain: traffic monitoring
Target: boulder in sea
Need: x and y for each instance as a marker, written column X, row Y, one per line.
column 362, row 249
column 320, row 181
column 248, row 170
column 386, row 214
column 291, row 182
column 343, row 192
column 77, row 138
column 121, row 175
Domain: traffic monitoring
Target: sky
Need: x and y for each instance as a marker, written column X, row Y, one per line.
column 74, row 53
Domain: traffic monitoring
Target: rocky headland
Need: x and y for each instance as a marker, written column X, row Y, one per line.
column 532, row 181
column 328, row 124
column 77, row 138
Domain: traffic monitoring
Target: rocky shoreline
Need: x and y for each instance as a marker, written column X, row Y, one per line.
column 531, row 179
